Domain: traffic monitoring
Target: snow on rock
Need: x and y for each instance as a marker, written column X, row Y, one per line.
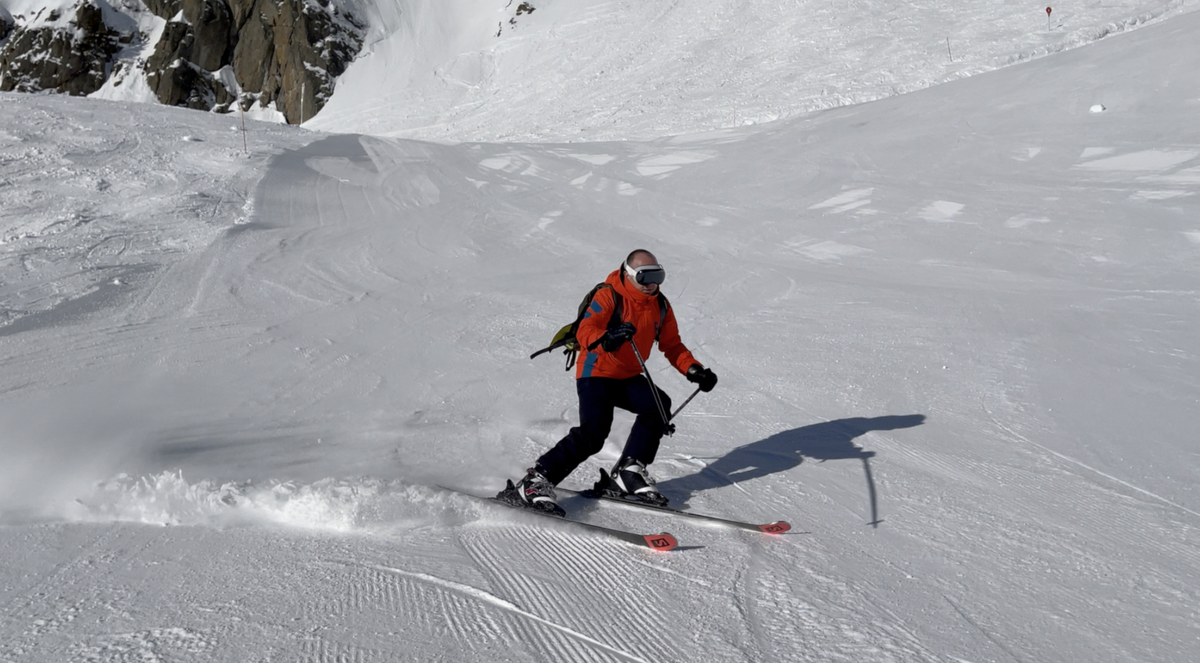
column 62, row 49
column 200, row 54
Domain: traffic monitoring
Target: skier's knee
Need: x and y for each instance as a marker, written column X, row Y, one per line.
column 591, row 441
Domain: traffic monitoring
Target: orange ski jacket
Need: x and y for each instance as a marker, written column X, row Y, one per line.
column 646, row 315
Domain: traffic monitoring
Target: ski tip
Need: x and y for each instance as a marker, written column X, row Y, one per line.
column 663, row 542
column 777, row 527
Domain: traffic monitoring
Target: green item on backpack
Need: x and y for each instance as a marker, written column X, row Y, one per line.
column 565, row 338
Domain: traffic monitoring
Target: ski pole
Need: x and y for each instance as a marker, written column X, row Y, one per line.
column 668, row 427
column 689, row 400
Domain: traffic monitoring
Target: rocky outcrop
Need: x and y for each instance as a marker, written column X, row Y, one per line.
column 6, row 25
column 210, row 55
column 288, row 52
column 293, row 51
column 196, row 42
column 59, row 51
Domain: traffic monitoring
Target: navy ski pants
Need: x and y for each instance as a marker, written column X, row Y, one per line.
column 597, row 399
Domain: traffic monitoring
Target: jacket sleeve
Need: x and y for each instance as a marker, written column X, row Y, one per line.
column 595, row 320
column 672, row 346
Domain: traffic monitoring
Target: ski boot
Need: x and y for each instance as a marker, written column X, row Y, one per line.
column 534, row 491
column 632, row 481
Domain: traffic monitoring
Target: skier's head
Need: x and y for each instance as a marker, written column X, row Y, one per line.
column 643, row 272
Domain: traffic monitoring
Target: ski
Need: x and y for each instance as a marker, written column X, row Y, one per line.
column 599, row 493
column 661, row 542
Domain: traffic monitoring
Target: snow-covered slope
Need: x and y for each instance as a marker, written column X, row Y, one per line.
column 578, row 70
column 954, row 329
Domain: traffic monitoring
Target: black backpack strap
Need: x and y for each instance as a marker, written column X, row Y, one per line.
column 663, row 305
column 615, row 318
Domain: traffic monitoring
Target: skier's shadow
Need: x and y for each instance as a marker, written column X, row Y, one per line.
column 831, row 440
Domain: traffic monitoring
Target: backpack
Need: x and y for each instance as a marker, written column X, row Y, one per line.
column 565, row 338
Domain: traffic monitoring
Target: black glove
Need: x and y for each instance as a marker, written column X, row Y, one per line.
column 703, row 377
column 614, row 338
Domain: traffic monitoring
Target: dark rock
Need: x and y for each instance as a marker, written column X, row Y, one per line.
column 212, row 23
column 67, row 53
column 286, row 52
column 290, row 53
column 180, row 69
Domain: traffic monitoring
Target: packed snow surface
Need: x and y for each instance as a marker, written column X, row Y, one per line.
column 581, row 70
column 955, row 331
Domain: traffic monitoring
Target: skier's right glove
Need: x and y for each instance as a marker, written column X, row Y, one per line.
column 703, row 377
column 614, row 338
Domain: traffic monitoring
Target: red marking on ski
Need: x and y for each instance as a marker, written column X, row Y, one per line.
column 663, row 542
column 778, row 527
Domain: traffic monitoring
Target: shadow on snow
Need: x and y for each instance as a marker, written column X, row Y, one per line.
column 831, row 440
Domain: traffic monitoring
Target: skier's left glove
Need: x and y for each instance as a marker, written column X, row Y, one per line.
column 703, row 377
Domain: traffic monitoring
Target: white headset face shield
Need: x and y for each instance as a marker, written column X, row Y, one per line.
column 647, row 274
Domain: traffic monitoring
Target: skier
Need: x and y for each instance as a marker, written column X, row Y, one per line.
column 610, row 376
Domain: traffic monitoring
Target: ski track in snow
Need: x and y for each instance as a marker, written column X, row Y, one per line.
column 538, row 643
column 571, row 576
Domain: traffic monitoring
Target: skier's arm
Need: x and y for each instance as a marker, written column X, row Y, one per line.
column 672, row 346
